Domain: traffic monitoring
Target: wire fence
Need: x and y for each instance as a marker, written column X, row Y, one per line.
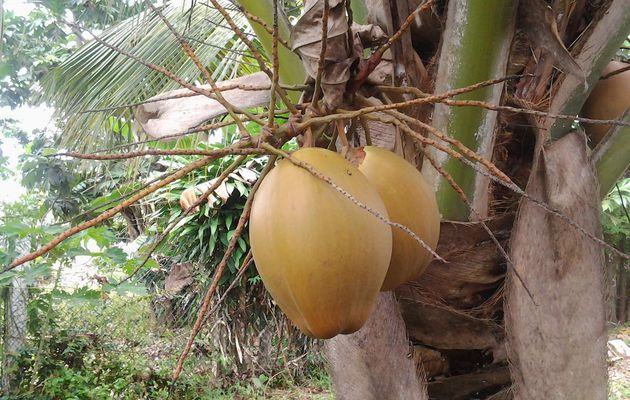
column 59, row 340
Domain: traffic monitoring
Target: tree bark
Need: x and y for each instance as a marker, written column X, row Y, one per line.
column 557, row 345
column 622, row 285
column 374, row 363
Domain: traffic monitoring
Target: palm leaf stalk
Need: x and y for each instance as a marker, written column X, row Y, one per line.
column 473, row 28
column 612, row 156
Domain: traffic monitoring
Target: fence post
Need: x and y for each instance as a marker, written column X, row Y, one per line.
column 15, row 318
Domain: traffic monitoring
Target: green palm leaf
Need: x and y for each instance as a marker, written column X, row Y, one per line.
column 97, row 77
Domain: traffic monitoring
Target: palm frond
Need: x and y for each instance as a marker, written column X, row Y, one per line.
column 97, row 77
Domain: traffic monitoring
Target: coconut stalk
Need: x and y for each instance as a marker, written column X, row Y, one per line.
column 608, row 35
column 612, row 156
column 476, row 45
column 291, row 70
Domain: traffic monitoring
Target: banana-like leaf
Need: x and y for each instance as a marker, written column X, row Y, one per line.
column 176, row 114
column 98, row 77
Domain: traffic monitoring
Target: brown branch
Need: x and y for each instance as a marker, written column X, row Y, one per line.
column 223, row 88
column 376, row 57
column 233, row 150
column 349, row 34
column 265, row 26
column 110, row 213
column 459, row 145
column 285, row 129
column 426, row 141
column 172, row 76
column 322, row 54
column 255, row 53
column 350, row 197
column 246, row 262
column 462, row 196
column 522, row 193
column 193, row 57
column 187, row 211
column 430, row 142
column 200, row 128
column 114, row 200
column 616, row 72
column 220, row 268
column 493, row 107
column 276, row 66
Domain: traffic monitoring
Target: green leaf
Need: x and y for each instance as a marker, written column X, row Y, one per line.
column 214, row 223
column 116, row 254
column 228, row 220
column 242, row 244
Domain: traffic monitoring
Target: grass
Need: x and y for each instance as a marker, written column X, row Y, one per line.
column 619, row 390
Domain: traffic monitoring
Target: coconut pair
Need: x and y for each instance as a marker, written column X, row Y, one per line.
column 322, row 256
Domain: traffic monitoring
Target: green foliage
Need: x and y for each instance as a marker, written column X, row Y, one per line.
column 109, row 348
column 33, row 45
column 616, row 218
column 24, row 60
column 97, row 77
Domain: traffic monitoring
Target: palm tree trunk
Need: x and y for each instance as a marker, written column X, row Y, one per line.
column 557, row 340
column 374, row 362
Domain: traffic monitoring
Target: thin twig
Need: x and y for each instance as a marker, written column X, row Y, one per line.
column 200, row 128
column 616, row 72
column 299, row 127
column 403, row 28
column 492, row 107
column 255, row 53
column 350, row 197
column 246, row 263
column 376, row 57
column 114, row 200
column 223, row 88
column 493, row 177
column 172, row 76
column 109, row 213
column 349, row 34
column 233, row 150
column 193, row 57
column 462, row 196
column 220, row 268
column 275, row 64
column 265, row 26
column 459, row 145
column 476, row 103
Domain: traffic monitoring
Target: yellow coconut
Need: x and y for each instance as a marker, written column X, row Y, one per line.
column 321, row 257
column 410, row 202
column 609, row 99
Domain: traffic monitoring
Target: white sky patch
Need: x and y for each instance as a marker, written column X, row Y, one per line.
column 29, row 119
column 19, row 7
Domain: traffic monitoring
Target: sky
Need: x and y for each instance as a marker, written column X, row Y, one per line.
column 29, row 118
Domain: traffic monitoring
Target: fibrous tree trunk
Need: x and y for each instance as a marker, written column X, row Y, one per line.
column 374, row 362
column 557, row 340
